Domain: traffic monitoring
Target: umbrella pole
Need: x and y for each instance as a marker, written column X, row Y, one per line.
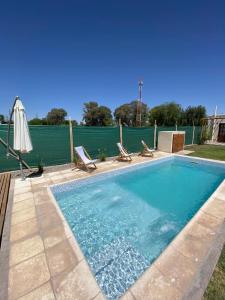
column 23, row 177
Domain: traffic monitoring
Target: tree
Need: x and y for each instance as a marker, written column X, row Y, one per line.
column 56, row 116
column 127, row 113
column 74, row 122
column 124, row 114
column 36, row 121
column 194, row 114
column 95, row 115
column 104, row 116
column 144, row 112
column 166, row 114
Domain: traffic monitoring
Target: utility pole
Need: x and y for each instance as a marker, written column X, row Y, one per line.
column 214, row 125
column 139, row 103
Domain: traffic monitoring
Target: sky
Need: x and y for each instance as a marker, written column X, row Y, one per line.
column 65, row 53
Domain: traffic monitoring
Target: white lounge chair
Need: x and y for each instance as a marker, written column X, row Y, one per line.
column 147, row 151
column 124, row 155
column 85, row 157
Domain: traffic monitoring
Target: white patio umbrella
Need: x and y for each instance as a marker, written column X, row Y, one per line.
column 21, row 140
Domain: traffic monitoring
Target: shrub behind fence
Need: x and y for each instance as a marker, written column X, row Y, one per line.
column 51, row 144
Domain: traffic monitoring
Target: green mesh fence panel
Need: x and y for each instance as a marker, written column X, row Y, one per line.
column 96, row 139
column 51, row 146
column 132, row 138
column 197, row 138
column 188, row 133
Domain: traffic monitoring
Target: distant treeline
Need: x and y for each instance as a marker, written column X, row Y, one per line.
column 129, row 114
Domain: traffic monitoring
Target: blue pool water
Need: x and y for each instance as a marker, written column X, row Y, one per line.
column 124, row 219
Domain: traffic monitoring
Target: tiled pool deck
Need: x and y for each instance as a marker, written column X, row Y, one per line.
column 42, row 259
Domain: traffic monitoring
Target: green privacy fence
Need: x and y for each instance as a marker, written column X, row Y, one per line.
column 51, row 146
column 52, row 143
column 96, row 139
column 197, row 135
column 132, row 137
column 188, row 133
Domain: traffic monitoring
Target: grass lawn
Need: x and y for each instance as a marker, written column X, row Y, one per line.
column 208, row 151
column 216, row 286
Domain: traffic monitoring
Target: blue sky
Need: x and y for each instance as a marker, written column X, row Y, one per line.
column 64, row 53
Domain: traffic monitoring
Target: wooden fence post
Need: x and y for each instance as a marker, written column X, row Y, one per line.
column 121, row 132
column 193, row 133
column 155, row 130
column 71, row 141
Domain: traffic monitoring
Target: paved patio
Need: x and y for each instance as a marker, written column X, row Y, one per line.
column 45, row 261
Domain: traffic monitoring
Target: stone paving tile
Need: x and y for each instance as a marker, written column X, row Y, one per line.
column 40, row 199
column 199, row 231
column 222, row 188
column 70, row 176
column 154, row 285
column 22, row 190
column 196, row 235
column 38, row 180
column 215, row 208
column 49, row 221
column 38, row 187
column 209, row 221
column 21, row 205
column 45, row 208
column 41, row 191
column 76, row 284
column 28, row 275
column 100, row 296
column 21, row 184
column 23, row 196
column 59, row 180
column 58, row 176
column 220, row 196
column 25, row 249
column 23, row 215
column 61, row 257
column 44, row 292
column 64, row 172
column 126, row 296
column 55, row 235
column 41, row 195
column 22, row 230
column 193, row 247
column 76, row 248
column 177, row 268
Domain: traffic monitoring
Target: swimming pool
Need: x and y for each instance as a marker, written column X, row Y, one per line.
column 124, row 219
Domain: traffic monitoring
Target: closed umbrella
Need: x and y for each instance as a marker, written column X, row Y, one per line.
column 21, row 140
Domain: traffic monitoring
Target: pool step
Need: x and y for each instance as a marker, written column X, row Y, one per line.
column 117, row 267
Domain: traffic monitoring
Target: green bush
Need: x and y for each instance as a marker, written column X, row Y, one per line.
column 102, row 154
column 75, row 159
column 206, row 135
